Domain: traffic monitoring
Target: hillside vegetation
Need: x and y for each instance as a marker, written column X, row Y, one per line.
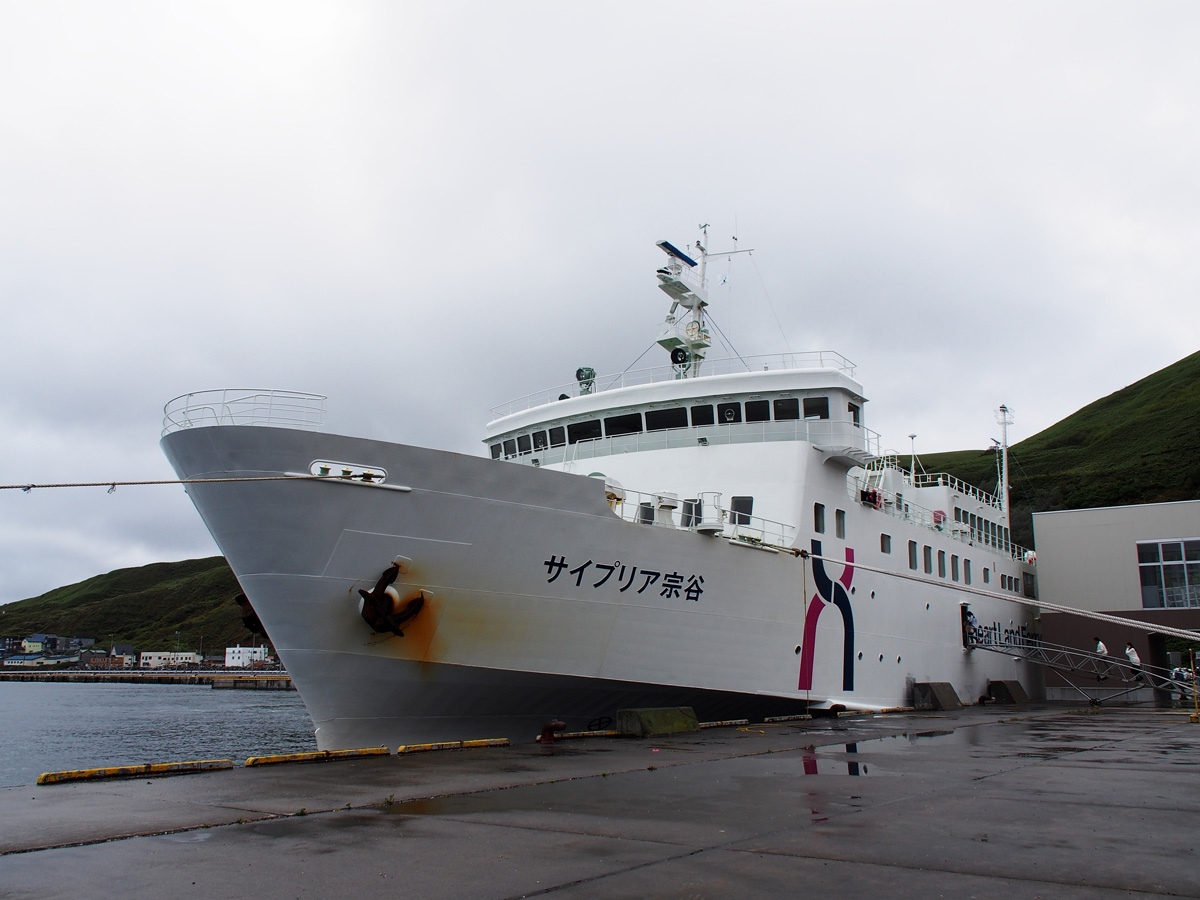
column 150, row 607
column 1137, row 445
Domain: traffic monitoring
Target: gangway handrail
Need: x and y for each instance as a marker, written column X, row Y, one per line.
column 1073, row 661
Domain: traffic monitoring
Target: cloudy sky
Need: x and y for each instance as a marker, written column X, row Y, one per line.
column 426, row 209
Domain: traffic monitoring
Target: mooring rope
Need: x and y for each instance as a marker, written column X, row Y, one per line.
column 113, row 485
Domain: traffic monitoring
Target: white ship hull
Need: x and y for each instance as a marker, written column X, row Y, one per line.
column 539, row 601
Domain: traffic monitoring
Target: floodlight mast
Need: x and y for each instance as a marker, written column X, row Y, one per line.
column 1004, row 418
column 683, row 280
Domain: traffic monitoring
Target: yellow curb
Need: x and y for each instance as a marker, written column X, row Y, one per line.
column 797, row 718
column 566, row 735
column 451, row 745
column 179, row 768
column 316, row 756
column 724, row 723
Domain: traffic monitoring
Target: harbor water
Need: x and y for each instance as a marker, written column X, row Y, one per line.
column 50, row 726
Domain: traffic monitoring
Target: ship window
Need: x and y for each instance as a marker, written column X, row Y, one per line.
column 854, row 411
column 819, row 518
column 558, row 436
column 727, row 413
column 1007, row 542
column 787, row 408
column 885, row 543
column 1027, row 582
column 816, row 407
column 690, row 513
column 967, row 571
column 630, row 423
column 539, row 440
column 941, row 564
column 839, row 522
column 953, row 567
column 646, row 513
column 662, row 419
column 912, row 555
column 702, row 415
column 510, row 448
column 583, row 431
column 495, row 451
column 957, row 514
column 524, row 445
column 928, row 552
column 987, row 575
column 758, row 410
column 741, row 507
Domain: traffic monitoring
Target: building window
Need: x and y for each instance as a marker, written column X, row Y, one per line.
column 1169, row 572
column 839, row 523
column 819, row 518
column 912, row 555
column 885, row 543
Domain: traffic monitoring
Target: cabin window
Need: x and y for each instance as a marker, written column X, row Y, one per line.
column 941, row 564
column 953, row 568
column 630, row 423
column 928, row 552
column 839, row 523
column 995, row 534
column 1027, row 582
column 855, row 411
column 583, row 431
column 741, row 507
column 816, row 407
column 787, row 408
column 510, row 448
column 539, row 440
column 702, row 415
column 885, row 543
column 690, row 513
column 495, row 451
column 957, row 514
column 728, row 413
column 912, row 555
column 524, row 444
column 966, row 571
column 758, row 410
column 819, row 518
column 987, row 575
column 662, row 419
column 646, row 513
column 1004, row 533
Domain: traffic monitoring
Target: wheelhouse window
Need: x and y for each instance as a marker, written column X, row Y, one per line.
column 495, row 451
column 524, row 444
column 539, row 440
column 729, row 413
column 855, row 413
column 510, row 448
column 558, row 436
column 703, row 415
column 758, row 410
column 816, row 407
column 630, row 423
column 787, row 408
column 662, row 419
column 583, row 431
column 741, row 507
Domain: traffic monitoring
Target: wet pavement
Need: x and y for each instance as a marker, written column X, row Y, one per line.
column 1012, row 802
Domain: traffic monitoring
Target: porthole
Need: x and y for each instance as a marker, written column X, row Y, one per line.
column 860, row 654
column 897, row 660
column 872, row 595
column 927, row 606
column 853, row 589
column 798, row 651
column 881, row 657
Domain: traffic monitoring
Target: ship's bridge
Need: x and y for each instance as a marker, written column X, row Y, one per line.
column 798, row 397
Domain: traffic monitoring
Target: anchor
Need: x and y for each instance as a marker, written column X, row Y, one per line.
column 382, row 608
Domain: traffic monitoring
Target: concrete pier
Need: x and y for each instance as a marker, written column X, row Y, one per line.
column 998, row 802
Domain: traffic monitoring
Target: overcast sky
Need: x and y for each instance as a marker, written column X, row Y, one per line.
column 426, row 209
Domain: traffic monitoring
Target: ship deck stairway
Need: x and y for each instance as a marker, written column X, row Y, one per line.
column 1074, row 665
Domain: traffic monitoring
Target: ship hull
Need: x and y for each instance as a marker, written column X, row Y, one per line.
column 539, row 603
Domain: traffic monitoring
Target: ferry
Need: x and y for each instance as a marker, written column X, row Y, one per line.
column 723, row 534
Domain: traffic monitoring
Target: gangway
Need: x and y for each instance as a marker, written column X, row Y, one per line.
column 1070, row 662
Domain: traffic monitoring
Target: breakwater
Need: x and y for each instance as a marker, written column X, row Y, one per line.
column 258, row 681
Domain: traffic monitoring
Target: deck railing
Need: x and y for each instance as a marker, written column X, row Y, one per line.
column 244, row 406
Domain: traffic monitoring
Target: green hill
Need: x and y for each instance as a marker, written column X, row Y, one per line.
column 150, row 607
column 1137, row 445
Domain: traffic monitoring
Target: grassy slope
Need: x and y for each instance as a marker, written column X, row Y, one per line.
column 1137, row 445
column 143, row 606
